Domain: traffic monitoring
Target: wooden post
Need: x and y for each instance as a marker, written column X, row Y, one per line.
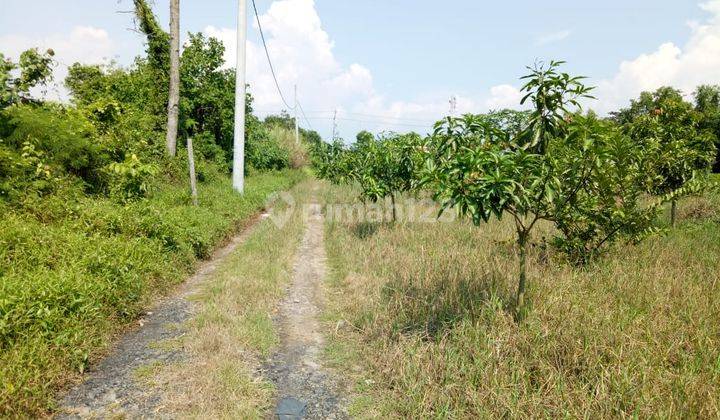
column 673, row 212
column 394, row 211
column 191, row 165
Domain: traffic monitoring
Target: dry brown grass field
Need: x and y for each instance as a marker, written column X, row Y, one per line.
column 421, row 312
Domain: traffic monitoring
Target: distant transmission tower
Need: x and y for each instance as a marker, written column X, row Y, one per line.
column 334, row 125
column 453, row 105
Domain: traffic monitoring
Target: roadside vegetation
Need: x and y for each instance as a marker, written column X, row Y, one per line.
column 97, row 217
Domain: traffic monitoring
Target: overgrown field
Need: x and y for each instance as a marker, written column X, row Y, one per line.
column 424, row 314
column 75, row 269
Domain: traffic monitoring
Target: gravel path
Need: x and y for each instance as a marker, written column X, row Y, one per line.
column 305, row 388
column 112, row 388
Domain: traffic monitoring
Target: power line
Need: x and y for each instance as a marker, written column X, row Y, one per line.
column 376, row 116
column 267, row 54
column 304, row 116
column 372, row 122
column 368, row 121
column 387, row 117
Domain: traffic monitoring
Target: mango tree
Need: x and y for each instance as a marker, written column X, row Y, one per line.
column 562, row 168
column 707, row 103
column 333, row 162
column 385, row 166
column 679, row 151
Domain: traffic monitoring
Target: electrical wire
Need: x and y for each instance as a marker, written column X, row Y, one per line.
column 387, row 117
column 374, row 116
column 373, row 122
column 366, row 121
column 267, row 54
column 304, row 116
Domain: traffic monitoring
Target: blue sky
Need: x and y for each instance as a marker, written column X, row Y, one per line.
column 394, row 64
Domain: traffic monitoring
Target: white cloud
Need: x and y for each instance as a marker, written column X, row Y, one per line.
column 419, row 116
column 503, row 96
column 552, row 37
column 712, row 6
column 302, row 54
column 84, row 44
column 697, row 62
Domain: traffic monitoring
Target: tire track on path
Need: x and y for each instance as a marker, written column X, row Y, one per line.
column 305, row 388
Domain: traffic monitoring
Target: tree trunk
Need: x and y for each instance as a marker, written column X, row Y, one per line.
column 522, row 244
column 191, row 166
column 673, row 212
column 394, row 212
column 174, row 95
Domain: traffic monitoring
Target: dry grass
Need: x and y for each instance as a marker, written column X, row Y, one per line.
column 233, row 328
column 298, row 153
column 635, row 334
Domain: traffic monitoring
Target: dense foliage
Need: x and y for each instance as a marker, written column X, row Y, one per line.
column 74, row 268
column 34, row 69
column 670, row 131
column 383, row 166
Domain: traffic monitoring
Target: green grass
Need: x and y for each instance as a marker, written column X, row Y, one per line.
column 75, row 269
column 144, row 374
column 428, row 308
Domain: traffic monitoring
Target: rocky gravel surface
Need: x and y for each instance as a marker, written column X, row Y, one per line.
column 306, row 389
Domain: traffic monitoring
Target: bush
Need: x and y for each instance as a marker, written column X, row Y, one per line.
column 298, row 156
column 264, row 152
column 24, row 172
column 130, row 179
column 63, row 135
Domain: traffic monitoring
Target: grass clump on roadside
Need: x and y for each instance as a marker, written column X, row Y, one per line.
column 429, row 319
column 233, row 327
column 77, row 268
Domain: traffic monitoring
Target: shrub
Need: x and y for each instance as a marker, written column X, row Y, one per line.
column 264, row 152
column 24, row 172
column 130, row 179
column 66, row 138
column 669, row 129
column 297, row 153
column 72, row 279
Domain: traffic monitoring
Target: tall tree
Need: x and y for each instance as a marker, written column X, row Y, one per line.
column 156, row 66
column 174, row 94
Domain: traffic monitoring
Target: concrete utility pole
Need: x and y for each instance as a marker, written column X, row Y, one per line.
column 239, row 138
column 297, row 130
